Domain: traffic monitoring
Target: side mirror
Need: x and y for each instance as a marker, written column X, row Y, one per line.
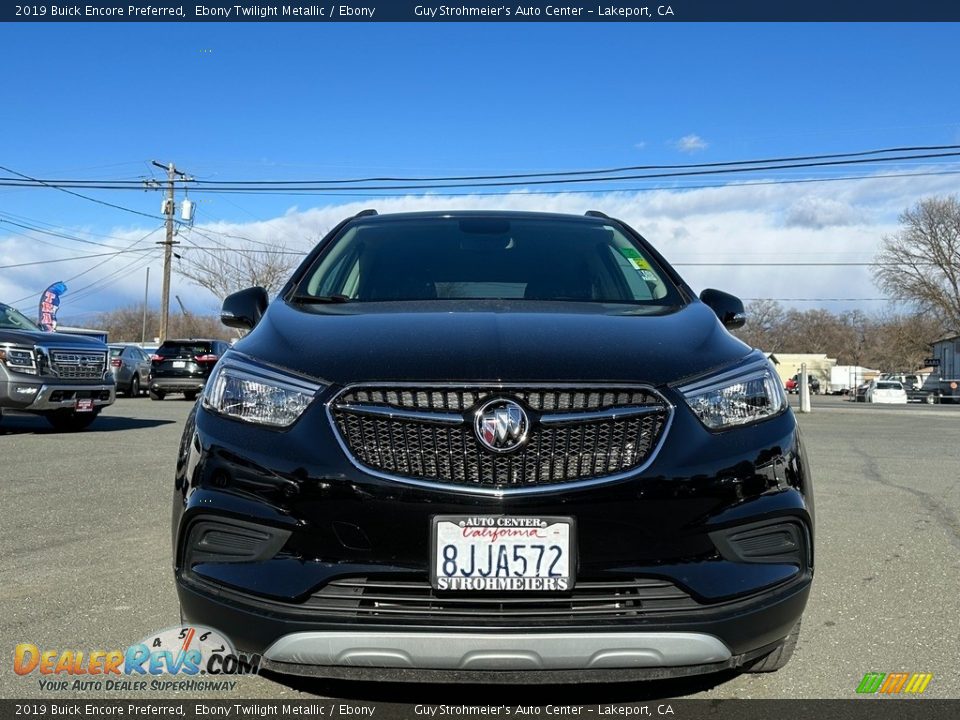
column 727, row 307
column 244, row 309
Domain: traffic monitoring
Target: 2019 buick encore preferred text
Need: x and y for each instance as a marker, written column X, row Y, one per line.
column 489, row 446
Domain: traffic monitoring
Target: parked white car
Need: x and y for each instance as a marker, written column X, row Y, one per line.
column 887, row 391
column 910, row 381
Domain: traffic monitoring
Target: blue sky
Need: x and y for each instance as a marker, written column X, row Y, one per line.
column 291, row 101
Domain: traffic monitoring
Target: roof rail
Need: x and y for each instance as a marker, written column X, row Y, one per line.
column 597, row 214
column 366, row 213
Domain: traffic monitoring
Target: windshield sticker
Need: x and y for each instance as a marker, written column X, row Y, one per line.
column 635, row 258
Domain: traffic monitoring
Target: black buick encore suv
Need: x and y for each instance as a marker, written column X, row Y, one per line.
column 486, row 446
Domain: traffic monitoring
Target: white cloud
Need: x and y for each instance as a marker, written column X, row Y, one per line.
column 691, row 143
column 820, row 212
column 736, row 225
column 640, row 145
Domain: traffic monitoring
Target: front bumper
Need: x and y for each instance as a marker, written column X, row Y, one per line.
column 669, row 522
column 889, row 400
column 177, row 384
column 727, row 637
column 498, row 651
column 36, row 396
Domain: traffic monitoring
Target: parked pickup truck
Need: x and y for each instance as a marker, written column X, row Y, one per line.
column 64, row 378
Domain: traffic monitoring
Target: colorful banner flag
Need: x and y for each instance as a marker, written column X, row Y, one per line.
column 49, row 303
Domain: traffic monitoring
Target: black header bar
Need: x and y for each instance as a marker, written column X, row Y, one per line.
column 472, row 11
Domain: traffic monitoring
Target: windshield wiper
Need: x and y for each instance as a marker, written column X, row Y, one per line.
column 319, row 299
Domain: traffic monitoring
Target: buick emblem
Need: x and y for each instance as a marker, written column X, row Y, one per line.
column 501, row 425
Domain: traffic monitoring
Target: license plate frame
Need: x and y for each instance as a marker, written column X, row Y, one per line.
column 551, row 525
column 83, row 405
column 179, row 363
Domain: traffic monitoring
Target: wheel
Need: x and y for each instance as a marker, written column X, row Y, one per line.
column 156, row 394
column 69, row 420
column 930, row 399
column 190, row 395
column 134, row 390
column 779, row 656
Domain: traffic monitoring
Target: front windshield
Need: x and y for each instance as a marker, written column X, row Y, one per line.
column 13, row 319
column 487, row 258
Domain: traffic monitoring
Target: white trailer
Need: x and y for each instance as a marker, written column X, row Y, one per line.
column 844, row 379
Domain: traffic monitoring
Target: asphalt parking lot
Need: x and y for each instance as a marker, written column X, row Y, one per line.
column 84, row 531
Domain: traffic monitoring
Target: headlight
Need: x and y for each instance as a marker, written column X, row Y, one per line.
column 242, row 389
column 736, row 397
column 19, row 359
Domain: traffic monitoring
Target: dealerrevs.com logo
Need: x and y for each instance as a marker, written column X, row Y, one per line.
column 187, row 653
column 899, row 683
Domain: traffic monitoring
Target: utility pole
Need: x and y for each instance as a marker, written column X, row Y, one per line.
column 169, row 208
column 146, row 295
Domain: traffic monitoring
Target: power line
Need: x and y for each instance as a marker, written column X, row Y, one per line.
column 76, row 194
column 792, row 264
column 606, row 171
column 89, row 269
column 307, row 192
column 304, row 186
column 106, row 281
column 53, row 226
column 652, row 188
column 646, row 176
column 55, row 234
column 819, row 299
column 206, row 230
column 866, row 155
column 35, row 239
column 78, row 257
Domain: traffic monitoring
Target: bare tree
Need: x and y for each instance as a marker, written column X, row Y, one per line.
column 890, row 342
column 920, row 264
column 225, row 270
column 125, row 324
column 901, row 342
column 764, row 328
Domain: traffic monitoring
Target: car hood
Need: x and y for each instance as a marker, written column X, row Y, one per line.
column 498, row 341
column 29, row 337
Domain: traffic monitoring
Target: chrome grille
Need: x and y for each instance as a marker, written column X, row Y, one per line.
column 427, row 434
column 78, row 364
column 461, row 399
column 399, row 600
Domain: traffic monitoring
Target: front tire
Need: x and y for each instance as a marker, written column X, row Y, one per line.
column 156, row 394
column 779, row 656
column 69, row 420
column 134, row 390
column 190, row 395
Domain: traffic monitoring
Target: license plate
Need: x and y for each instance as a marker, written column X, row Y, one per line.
column 84, row 405
column 502, row 553
column 179, row 363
